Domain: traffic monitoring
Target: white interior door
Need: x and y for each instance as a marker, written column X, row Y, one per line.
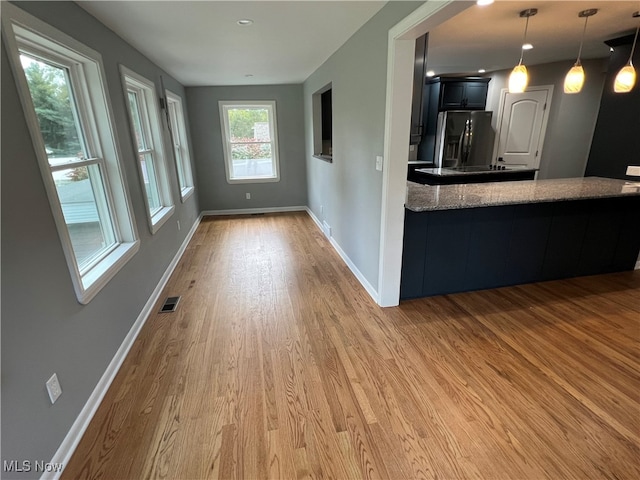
column 521, row 125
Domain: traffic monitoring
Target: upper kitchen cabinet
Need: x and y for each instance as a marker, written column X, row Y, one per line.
column 454, row 93
column 443, row 94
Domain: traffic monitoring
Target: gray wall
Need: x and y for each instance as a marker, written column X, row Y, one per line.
column 44, row 328
column 347, row 193
column 572, row 118
column 215, row 192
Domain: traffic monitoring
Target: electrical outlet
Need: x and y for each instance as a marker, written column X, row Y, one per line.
column 53, row 388
column 379, row 163
column 248, row 196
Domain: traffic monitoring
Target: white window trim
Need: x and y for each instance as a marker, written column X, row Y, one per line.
column 188, row 189
column 21, row 28
column 223, row 105
column 148, row 89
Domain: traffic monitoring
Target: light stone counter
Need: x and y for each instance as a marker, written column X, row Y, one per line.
column 422, row 198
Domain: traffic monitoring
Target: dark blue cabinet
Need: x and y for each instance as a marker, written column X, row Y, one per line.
column 567, row 229
column 450, row 251
column 453, row 229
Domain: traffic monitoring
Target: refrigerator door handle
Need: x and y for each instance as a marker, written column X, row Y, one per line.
column 460, row 156
column 467, row 150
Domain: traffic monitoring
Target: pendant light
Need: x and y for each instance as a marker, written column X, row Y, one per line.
column 519, row 77
column 574, row 80
column 626, row 77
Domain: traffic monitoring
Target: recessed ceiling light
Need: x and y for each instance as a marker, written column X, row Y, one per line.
column 527, row 46
column 482, row 70
column 482, row 3
column 244, row 22
column 430, row 73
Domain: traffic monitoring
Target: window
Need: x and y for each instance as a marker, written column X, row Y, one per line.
column 61, row 84
column 250, row 141
column 147, row 135
column 322, row 124
column 180, row 144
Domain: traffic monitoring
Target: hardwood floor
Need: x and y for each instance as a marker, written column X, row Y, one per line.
column 277, row 364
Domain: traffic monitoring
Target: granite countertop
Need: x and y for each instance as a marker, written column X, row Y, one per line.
column 450, row 172
column 422, row 198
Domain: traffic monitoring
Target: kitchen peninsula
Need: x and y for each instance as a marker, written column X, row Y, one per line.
column 475, row 236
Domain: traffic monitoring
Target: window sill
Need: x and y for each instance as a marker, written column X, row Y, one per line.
column 253, row 180
column 160, row 218
column 326, row 158
column 94, row 280
column 186, row 193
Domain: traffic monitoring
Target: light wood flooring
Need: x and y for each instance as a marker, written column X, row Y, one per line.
column 278, row 364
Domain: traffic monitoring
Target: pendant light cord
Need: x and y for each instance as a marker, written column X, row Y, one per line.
column 584, row 30
column 524, row 40
column 633, row 48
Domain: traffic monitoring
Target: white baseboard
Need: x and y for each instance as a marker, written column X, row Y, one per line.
column 253, row 211
column 345, row 258
column 71, row 440
column 365, row 283
column 315, row 219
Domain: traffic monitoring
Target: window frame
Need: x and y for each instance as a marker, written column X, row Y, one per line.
column 24, row 33
column 180, row 142
column 224, row 106
column 151, row 126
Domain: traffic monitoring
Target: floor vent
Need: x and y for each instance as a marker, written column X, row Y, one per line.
column 170, row 305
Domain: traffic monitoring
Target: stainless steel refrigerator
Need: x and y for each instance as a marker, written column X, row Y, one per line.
column 464, row 138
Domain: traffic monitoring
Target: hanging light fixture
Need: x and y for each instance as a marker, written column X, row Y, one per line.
column 519, row 77
column 626, row 77
column 574, row 80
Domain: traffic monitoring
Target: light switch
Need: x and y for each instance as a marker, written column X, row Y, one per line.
column 379, row 163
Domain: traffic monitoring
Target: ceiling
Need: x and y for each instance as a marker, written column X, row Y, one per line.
column 200, row 43
column 490, row 37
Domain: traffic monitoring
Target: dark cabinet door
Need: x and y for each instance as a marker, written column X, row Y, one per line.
column 463, row 95
column 475, row 95
column 452, row 95
column 427, row 146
